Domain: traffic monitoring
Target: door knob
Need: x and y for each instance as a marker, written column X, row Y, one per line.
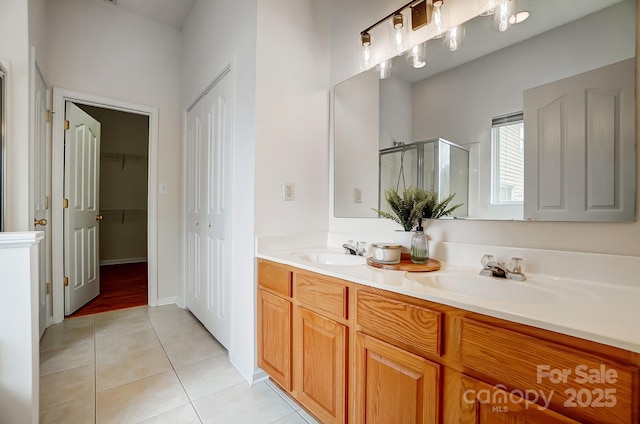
column 42, row 222
column 99, row 217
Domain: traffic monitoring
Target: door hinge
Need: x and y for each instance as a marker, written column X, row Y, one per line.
column 48, row 288
column 48, row 115
column 66, row 124
column 46, row 202
column 65, row 203
column 65, row 280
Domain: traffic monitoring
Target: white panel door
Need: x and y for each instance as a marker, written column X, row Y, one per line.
column 208, row 218
column 218, row 160
column 580, row 146
column 41, row 193
column 81, row 218
column 195, row 287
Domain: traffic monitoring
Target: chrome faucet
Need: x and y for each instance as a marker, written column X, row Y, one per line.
column 353, row 248
column 492, row 268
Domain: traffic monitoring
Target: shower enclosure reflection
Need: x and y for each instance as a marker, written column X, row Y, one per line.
column 436, row 165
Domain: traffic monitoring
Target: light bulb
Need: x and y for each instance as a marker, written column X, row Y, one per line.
column 501, row 20
column 453, row 38
column 398, row 33
column 365, row 51
column 417, row 56
column 384, row 69
column 439, row 19
column 488, row 7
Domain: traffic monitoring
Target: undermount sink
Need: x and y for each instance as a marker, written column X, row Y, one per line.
column 329, row 257
column 488, row 288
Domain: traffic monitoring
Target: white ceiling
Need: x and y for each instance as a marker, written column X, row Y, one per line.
column 170, row 12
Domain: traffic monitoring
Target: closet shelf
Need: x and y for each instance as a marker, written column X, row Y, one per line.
column 123, row 157
column 114, row 215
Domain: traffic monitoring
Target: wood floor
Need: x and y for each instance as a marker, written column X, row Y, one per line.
column 121, row 286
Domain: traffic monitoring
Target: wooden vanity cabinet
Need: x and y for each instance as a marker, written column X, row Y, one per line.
column 351, row 353
column 274, row 322
column 482, row 403
column 393, row 385
column 320, row 345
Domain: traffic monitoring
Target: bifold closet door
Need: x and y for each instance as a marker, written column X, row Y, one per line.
column 209, row 139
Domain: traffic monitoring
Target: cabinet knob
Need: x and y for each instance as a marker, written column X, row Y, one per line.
column 42, row 222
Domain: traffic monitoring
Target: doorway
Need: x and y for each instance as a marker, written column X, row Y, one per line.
column 61, row 98
column 123, row 163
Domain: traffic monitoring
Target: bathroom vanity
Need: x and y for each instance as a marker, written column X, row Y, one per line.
column 356, row 344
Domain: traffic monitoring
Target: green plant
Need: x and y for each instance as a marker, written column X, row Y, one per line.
column 414, row 204
column 406, row 209
column 434, row 209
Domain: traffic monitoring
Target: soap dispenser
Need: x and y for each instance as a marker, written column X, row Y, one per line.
column 419, row 247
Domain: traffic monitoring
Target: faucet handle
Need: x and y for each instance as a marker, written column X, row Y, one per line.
column 516, row 265
column 486, row 259
column 362, row 248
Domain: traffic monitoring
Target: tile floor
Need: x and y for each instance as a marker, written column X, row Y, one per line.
column 149, row 365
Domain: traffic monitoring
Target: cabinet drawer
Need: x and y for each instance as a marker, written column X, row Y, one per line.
column 580, row 385
column 329, row 296
column 413, row 326
column 274, row 278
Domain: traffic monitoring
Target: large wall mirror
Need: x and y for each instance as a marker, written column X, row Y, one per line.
column 535, row 123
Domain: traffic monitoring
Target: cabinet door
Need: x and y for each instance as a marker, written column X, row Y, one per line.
column 393, row 385
column 321, row 365
column 274, row 337
column 483, row 403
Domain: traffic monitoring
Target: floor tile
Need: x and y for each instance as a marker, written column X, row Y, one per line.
column 123, row 326
column 140, row 400
column 292, row 403
column 176, row 331
column 65, row 386
column 105, row 317
column 168, row 314
column 65, row 358
column 209, row 376
column 195, row 349
column 117, row 344
column 182, row 415
column 79, row 411
column 307, row 417
column 243, row 404
column 121, row 369
column 56, row 337
column 293, row 418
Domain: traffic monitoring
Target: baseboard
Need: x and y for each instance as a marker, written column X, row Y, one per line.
column 248, row 374
column 167, row 301
column 122, row 261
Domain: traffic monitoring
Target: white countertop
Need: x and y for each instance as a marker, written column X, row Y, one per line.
column 602, row 312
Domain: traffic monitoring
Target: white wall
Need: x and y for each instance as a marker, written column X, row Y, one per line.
column 14, row 56
column 96, row 48
column 204, row 56
column 395, row 112
column 356, row 154
column 292, row 113
column 612, row 238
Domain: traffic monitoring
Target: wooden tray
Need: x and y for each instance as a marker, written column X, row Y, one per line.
column 405, row 264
